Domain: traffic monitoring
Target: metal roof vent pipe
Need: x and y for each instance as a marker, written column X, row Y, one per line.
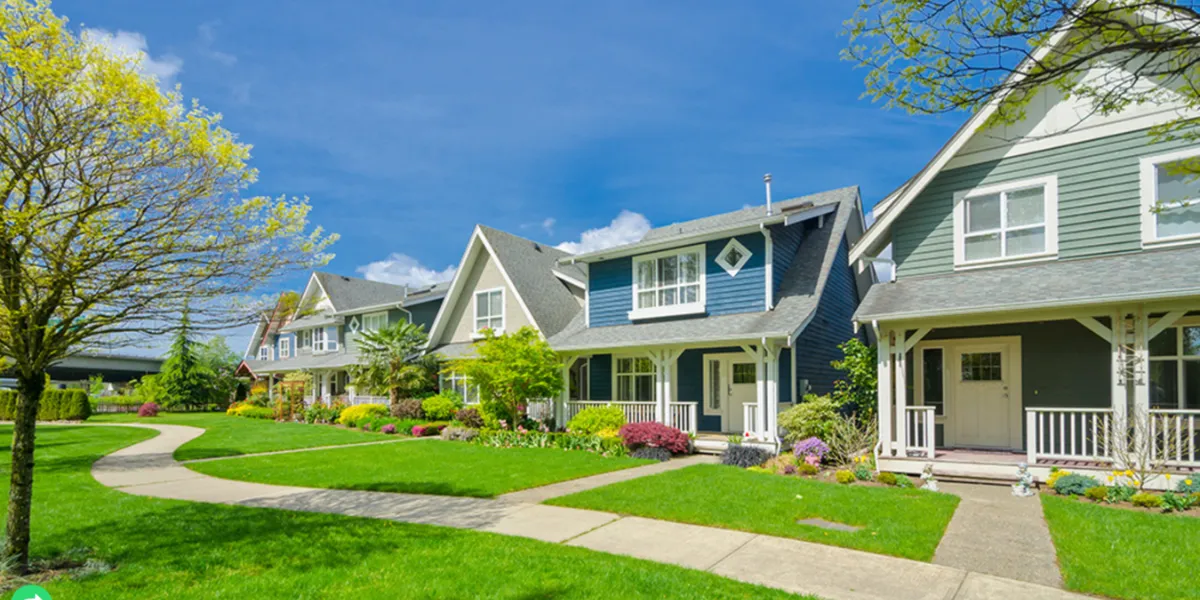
column 767, row 182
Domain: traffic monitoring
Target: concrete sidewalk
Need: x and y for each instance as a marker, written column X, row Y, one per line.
column 832, row 573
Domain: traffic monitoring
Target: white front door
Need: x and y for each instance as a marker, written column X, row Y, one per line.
column 730, row 381
column 983, row 395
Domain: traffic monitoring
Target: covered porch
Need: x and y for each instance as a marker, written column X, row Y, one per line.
column 1088, row 389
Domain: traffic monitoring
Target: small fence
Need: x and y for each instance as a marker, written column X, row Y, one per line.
column 1068, row 434
column 112, row 407
column 919, row 428
column 1174, row 436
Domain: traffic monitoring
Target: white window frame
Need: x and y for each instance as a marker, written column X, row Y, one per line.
column 324, row 342
column 1178, row 358
column 617, row 375
column 459, row 383
column 733, row 268
column 691, row 308
column 304, row 338
column 368, row 325
column 477, row 331
column 1050, row 221
column 285, row 347
column 353, row 324
column 266, row 353
column 1149, row 195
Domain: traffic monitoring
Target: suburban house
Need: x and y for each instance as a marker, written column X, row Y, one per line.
column 319, row 334
column 716, row 324
column 503, row 283
column 1041, row 311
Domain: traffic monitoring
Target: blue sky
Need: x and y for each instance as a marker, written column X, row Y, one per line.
column 406, row 123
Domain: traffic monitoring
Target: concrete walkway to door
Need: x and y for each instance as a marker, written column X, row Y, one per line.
column 148, row 469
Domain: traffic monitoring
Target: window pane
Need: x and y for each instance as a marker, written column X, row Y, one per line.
column 646, row 300
column 1191, row 384
column 624, row 365
column 624, row 388
column 1164, row 384
column 1183, row 220
column 983, row 247
column 689, row 294
column 714, row 389
column 1176, row 187
column 1191, row 341
column 745, row 373
column 643, row 365
column 983, row 213
column 668, row 270
column 497, row 302
column 1163, row 344
column 646, row 274
column 1026, row 207
column 689, row 266
column 933, row 380
column 481, row 305
column 1026, row 241
column 645, row 388
column 667, row 297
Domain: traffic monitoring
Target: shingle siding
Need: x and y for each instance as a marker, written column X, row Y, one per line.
column 1098, row 200
column 787, row 242
column 831, row 325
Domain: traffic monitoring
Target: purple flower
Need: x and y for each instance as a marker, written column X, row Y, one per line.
column 811, row 447
column 388, row 429
column 790, row 469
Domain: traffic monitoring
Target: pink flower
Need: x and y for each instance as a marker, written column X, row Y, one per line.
column 813, row 460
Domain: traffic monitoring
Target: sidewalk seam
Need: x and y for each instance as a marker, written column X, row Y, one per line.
column 710, row 568
column 596, row 528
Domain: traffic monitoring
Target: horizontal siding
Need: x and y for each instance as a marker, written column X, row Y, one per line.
column 1098, row 200
column 610, row 292
column 817, row 345
column 424, row 313
column 787, row 243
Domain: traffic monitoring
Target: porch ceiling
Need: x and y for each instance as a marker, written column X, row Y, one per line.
column 1152, row 275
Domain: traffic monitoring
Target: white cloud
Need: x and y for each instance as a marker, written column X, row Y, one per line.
column 403, row 269
column 548, row 225
column 132, row 45
column 627, row 228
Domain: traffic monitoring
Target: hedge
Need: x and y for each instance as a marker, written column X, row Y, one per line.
column 56, row 405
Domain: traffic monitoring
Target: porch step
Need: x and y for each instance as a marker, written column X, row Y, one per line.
column 711, row 446
column 981, row 480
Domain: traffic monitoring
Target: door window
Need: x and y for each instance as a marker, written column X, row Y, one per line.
column 981, row 366
column 744, row 373
column 716, row 383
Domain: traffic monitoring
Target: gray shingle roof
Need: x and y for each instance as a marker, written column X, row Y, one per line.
column 320, row 319
column 799, row 292
column 1147, row 275
column 333, row 360
column 452, row 351
column 530, row 266
column 352, row 293
column 416, row 295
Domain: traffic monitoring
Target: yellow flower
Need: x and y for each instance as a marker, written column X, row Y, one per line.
column 1128, row 472
column 1187, row 482
column 1110, row 478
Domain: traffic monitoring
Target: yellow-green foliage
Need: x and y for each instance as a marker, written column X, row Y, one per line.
column 845, row 476
column 250, row 411
column 353, row 414
column 1097, row 494
column 56, row 405
column 595, row 419
column 1145, row 500
column 1053, row 478
column 886, row 478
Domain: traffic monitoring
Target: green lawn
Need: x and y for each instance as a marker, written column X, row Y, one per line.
column 232, row 436
column 907, row 523
column 420, row 467
column 187, row 551
column 1124, row 554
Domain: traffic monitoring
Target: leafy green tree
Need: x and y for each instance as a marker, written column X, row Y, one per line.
column 860, row 384
column 943, row 56
column 122, row 204
column 220, row 362
column 394, row 361
column 512, row 370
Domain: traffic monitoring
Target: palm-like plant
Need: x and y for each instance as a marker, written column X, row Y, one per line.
column 394, row 361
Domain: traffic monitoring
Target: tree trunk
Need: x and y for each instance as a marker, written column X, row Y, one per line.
column 20, row 493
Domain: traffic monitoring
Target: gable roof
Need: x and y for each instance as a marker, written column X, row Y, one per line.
column 800, row 293
column 529, row 268
column 353, row 293
column 745, row 219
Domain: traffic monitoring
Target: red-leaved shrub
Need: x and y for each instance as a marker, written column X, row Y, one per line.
column 657, row 435
column 427, row 430
column 148, row 409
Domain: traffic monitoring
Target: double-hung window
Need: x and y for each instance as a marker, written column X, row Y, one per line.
column 323, row 342
column 634, row 380
column 489, row 311
column 285, row 347
column 264, row 353
column 1171, row 197
column 668, row 283
column 1175, row 368
column 305, row 338
column 1007, row 222
column 374, row 321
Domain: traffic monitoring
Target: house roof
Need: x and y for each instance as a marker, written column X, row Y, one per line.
column 751, row 217
column 799, row 295
column 320, row 319
column 333, row 360
column 457, row 350
column 530, row 266
column 352, row 293
column 1147, row 275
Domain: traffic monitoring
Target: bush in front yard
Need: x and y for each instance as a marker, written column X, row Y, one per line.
column 1145, row 500
column 469, row 417
column 815, row 417
column 352, row 416
column 459, row 434
column 1191, row 485
column 845, row 476
column 428, row 429
column 886, row 478
column 388, row 429
column 1074, row 484
column 442, row 407
column 1097, row 494
column 408, row 409
column 739, row 455
column 594, row 419
column 652, row 453
column 657, row 435
column 64, row 405
column 251, row 411
column 148, row 409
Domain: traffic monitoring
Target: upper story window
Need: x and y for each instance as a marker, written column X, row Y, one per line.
column 322, row 341
column 1007, row 222
column 489, row 310
column 264, row 353
column 285, row 347
column 733, row 257
column 668, row 283
column 374, row 321
column 1170, row 198
column 305, row 338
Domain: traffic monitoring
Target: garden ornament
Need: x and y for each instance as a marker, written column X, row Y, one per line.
column 927, row 476
column 1023, row 488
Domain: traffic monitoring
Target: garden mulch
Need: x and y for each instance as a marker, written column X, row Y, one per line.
column 148, row 468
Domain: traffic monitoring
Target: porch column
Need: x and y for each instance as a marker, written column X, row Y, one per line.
column 901, row 396
column 325, row 387
column 1119, row 428
column 560, row 407
column 1141, row 384
column 885, row 392
column 669, row 358
column 271, row 388
column 760, row 415
column 770, row 430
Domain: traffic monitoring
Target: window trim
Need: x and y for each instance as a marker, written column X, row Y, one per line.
column 733, row 268
column 372, row 316
column 447, row 380
column 476, row 332
column 304, row 338
column 327, row 343
column 616, row 375
column 1050, row 221
column 1148, row 188
column 691, row 308
column 285, row 347
column 268, row 351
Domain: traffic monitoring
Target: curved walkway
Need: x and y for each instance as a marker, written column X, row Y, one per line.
column 149, row 469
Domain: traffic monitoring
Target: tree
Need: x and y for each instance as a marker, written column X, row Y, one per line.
column 394, row 361
column 511, row 371
column 122, row 204
column 221, row 362
column 941, row 56
column 185, row 380
column 860, row 387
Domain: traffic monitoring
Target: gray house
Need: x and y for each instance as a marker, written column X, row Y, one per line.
column 1046, row 307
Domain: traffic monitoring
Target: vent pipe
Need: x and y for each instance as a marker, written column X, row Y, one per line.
column 767, row 182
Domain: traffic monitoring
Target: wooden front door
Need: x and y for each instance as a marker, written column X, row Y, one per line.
column 984, row 395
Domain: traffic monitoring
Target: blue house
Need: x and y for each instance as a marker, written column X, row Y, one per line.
column 715, row 325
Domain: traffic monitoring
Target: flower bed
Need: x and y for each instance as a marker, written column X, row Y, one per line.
column 1123, row 491
column 807, row 460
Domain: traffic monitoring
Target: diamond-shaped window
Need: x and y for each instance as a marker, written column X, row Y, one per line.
column 733, row 257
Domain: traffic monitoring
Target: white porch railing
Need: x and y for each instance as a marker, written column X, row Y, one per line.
column 635, row 412
column 356, row 399
column 682, row 416
column 1174, row 436
column 749, row 418
column 541, row 410
column 1068, row 434
column 919, row 430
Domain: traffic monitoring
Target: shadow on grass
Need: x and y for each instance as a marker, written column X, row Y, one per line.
column 430, row 488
